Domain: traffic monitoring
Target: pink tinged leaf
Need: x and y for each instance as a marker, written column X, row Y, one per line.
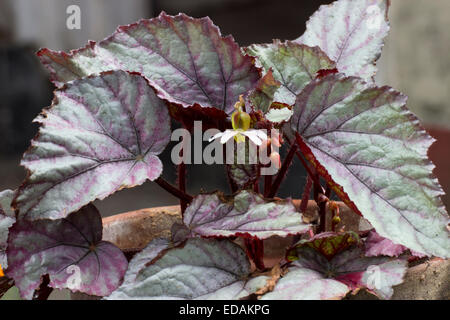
column 7, row 219
column 102, row 133
column 197, row 269
column 376, row 245
column 376, row 274
column 247, row 215
column 69, row 250
column 372, row 150
column 382, row 278
column 293, row 65
column 187, row 59
column 351, row 33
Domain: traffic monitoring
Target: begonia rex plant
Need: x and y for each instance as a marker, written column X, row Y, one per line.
column 315, row 96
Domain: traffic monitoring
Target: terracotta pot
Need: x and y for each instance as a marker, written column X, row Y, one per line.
column 131, row 231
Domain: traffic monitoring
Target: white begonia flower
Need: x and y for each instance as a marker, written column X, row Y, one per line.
column 256, row 136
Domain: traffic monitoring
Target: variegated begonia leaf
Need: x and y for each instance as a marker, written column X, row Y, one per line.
column 102, row 133
column 247, row 215
column 69, row 250
column 293, row 65
column 138, row 262
column 328, row 266
column 372, row 151
column 7, row 219
column 351, row 33
column 197, row 269
column 187, row 59
column 262, row 96
column 377, row 245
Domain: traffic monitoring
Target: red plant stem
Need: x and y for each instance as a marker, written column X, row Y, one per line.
column 267, row 185
column 318, row 189
column 283, row 170
column 304, row 163
column 322, row 215
column 304, row 204
column 173, row 190
column 256, row 186
column 5, row 284
column 182, row 184
column 255, row 249
column 327, row 191
column 305, row 196
column 321, row 200
column 43, row 292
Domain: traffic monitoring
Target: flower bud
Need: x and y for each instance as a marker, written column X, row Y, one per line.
column 275, row 159
column 240, row 120
column 336, row 220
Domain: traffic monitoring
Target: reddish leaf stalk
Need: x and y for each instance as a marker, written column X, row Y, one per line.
column 255, row 249
column 327, row 191
column 304, row 204
column 44, row 291
column 283, row 170
column 5, row 284
column 173, row 190
column 182, row 184
column 321, row 200
column 334, row 207
column 305, row 196
column 256, row 186
column 267, row 185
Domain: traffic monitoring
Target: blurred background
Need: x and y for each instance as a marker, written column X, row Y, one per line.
column 415, row 61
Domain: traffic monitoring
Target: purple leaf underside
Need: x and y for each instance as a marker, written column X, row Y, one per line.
column 102, row 134
column 69, row 250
